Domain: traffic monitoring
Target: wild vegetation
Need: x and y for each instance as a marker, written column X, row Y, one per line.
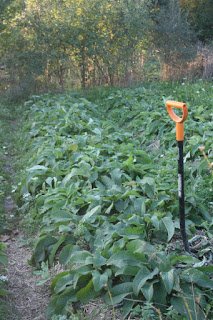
column 5, row 185
column 3, row 277
column 97, row 193
column 101, row 187
column 53, row 45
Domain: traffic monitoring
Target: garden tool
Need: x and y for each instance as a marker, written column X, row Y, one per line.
column 170, row 105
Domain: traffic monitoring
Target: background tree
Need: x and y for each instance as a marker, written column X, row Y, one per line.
column 58, row 44
column 172, row 36
column 200, row 17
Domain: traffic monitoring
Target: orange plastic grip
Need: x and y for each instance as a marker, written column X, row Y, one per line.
column 178, row 120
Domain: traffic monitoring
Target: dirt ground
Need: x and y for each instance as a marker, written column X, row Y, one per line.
column 26, row 300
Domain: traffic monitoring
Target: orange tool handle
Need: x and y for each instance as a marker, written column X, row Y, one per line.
column 178, row 120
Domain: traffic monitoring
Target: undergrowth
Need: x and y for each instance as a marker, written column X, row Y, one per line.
column 101, row 185
column 9, row 150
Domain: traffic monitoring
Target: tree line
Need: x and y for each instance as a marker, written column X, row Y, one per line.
column 58, row 44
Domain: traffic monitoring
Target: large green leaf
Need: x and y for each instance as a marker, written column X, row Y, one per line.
column 57, row 278
column 160, row 294
column 127, row 271
column 66, row 254
column 116, row 175
column 169, row 224
column 124, row 258
column 140, row 246
column 168, row 280
column 91, row 213
column 189, row 303
column 63, row 282
column 87, row 293
column 127, row 307
column 100, row 280
column 198, row 277
column 141, row 277
column 41, row 250
column 81, row 258
column 186, row 259
column 148, row 289
column 116, row 294
column 37, row 169
column 55, row 248
column 98, row 260
column 59, row 216
column 58, row 303
column 3, row 259
column 4, row 292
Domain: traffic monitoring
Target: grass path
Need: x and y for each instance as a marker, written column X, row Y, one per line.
column 26, row 300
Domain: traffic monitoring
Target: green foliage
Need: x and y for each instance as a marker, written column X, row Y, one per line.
column 45, row 41
column 174, row 38
column 103, row 181
column 55, row 45
column 200, row 17
column 3, row 280
column 3, row 257
column 9, row 143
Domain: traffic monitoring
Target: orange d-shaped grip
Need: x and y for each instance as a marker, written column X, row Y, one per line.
column 178, row 120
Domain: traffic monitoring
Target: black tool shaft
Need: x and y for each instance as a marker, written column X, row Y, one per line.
column 182, row 196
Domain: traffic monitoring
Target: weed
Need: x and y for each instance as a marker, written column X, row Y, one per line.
column 100, row 182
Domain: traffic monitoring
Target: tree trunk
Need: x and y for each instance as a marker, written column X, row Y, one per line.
column 83, row 68
column 61, row 77
column 111, row 77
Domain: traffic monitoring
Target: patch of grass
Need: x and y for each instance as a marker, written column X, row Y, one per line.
column 9, row 150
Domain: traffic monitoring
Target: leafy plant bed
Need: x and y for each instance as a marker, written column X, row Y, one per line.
column 101, row 185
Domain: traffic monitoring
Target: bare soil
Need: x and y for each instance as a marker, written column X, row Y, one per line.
column 29, row 300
